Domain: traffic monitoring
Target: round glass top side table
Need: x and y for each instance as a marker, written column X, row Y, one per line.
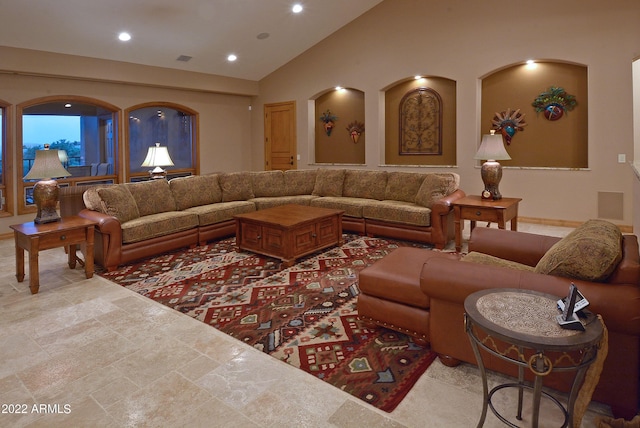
column 520, row 327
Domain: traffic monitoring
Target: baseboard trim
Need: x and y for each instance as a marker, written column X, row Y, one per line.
column 566, row 223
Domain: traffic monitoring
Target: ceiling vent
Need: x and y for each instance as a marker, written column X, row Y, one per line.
column 184, row 58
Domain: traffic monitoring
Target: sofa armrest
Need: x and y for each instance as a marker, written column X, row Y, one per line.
column 442, row 219
column 108, row 249
column 443, row 205
column 107, row 224
column 453, row 281
column 521, row 247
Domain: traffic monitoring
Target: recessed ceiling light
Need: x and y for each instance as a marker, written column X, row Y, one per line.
column 67, row 105
column 125, row 37
column 232, row 58
column 297, row 8
column 262, row 36
column 417, row 77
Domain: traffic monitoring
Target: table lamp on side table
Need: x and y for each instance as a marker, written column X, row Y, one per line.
column 491, row 150
column 46, row 166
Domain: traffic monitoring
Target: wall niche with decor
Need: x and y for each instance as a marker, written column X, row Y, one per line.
column 339, row 127
column 550, row 99
column 420, row 122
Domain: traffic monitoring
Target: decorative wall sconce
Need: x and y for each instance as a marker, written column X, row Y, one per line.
column 355, row 128
column 329, row 120
column 508, row 123
column 554, row 102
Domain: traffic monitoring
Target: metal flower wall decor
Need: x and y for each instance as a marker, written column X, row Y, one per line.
column 508, row 123
column 554, row 102
column 355, row 128
column 329, row 120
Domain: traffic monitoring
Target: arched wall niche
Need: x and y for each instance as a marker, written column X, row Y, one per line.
column 397, row 150
column 333, row 141
column 543, row 143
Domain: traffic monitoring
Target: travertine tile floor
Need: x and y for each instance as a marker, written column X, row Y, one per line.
column 89, row 353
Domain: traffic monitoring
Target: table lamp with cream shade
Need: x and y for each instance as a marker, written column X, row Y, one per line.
column 157, row 157
column 491, row 150
column 46, row 168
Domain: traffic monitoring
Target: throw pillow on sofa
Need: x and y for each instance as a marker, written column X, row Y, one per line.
column 436, row 186
column 117, row 201
column 403, row 186
column 236, row 186
column 152, row 197
column 486, row 259
column 329, row 182
column 195, row 190
column 591, row 252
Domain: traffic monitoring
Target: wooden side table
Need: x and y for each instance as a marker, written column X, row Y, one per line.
column 475, row 208
column 68, row 232
column 519, row 326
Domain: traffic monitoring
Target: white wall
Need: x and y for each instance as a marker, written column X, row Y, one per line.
column 464, row 40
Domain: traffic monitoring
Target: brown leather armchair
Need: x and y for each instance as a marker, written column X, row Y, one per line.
column 448, row 282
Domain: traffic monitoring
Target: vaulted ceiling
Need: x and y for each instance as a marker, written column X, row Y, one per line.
column 263, row 34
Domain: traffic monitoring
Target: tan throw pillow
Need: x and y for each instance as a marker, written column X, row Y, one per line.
column 591, row 252
column 92, row 200
column 236, row 186
column 152, row 196
column 299, row 181
column 267, row 183
column 364, row 184
column 486, row 259
column 195, row 190
column 329, row 182
column 117, row 201
column 403, row 186
column 436, row 186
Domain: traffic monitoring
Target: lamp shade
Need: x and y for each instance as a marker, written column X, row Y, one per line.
column 157, row 156
column 46, row 165
column 492, row 148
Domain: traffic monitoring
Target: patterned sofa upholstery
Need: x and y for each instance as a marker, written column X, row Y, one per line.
column 137, row 220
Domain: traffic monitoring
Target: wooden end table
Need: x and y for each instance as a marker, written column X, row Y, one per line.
column 68, row 232
column 519, row 326
column 474, row 208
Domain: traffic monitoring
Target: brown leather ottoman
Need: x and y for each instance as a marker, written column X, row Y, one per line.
column 390, row 293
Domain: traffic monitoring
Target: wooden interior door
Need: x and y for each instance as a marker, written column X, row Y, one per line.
column 280, row 136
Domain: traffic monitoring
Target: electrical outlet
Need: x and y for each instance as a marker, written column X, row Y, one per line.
column 622, row 158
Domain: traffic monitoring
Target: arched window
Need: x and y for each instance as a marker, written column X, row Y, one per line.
column 6, row 199
column 172, row 126
column 83, row 129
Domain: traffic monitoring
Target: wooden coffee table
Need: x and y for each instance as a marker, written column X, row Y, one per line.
column 288, row 232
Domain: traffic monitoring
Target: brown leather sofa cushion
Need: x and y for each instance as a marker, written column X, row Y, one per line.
column 590, row 252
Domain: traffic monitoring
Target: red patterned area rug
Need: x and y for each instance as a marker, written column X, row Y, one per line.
column 305, row 315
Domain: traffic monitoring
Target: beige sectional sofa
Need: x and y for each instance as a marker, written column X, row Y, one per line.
column 137, row 220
